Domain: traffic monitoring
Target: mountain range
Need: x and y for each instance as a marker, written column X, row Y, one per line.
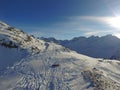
column 28, row 63
column 107, row 47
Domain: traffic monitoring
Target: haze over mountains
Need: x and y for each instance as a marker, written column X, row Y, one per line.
column 107, row 47
column 34, row 64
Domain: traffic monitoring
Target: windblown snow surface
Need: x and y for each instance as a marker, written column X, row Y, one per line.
column 16, row 45
column 53, row 67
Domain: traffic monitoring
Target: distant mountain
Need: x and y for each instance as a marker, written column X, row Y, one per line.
column 48, row 66
column 99, row 47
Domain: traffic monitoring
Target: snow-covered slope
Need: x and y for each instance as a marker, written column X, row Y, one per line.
column 60, row 69
column 21, row 39
column 53, row 67
column 15, row 45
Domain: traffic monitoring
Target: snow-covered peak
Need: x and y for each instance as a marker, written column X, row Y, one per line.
column 16, row 44
column 3, row 25
column 94, row 46
column 24, row 40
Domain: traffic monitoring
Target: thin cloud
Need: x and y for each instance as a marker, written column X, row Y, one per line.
column 103, row 19
column 109, row 21
column 98, row 33
column 91, row 33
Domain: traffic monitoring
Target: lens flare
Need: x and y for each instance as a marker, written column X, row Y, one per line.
column 115, row 22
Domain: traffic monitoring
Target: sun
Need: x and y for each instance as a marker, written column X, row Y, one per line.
column 115, row 22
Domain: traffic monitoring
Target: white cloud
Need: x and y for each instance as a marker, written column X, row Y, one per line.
column 98, row 32
column 91, row 33
column 92, row 18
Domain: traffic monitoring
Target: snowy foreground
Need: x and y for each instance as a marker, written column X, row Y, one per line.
column 48, row 66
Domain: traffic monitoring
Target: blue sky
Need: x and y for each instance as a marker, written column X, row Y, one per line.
column 62, row 19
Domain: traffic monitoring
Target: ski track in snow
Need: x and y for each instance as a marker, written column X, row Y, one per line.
column 52, row 77
column 37, row 72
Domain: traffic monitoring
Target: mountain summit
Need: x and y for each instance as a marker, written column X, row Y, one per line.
column 48, row 66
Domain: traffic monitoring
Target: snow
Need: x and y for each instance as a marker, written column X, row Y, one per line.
column 16, row 45
column 36, row 72
column 94, row 46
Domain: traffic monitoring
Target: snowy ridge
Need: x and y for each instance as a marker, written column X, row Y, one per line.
column 74, row 72
column 16, row 45
column 25, row 41
column 53, row 67
column 94, row 46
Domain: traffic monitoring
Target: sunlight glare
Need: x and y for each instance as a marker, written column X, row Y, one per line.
column 115, row 22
